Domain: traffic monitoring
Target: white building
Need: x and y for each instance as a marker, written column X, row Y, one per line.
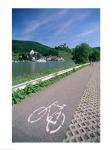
column 32, row 52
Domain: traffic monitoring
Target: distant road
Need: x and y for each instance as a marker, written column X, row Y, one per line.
column 67, row 92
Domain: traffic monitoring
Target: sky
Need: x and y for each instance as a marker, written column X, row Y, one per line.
column 53, row 27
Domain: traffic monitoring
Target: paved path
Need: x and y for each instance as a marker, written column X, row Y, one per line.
column 67, row 91
column 85, row 124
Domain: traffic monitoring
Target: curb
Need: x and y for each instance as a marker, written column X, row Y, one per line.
column 44, row 78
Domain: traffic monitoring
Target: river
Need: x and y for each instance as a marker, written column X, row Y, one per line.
column 24, row 68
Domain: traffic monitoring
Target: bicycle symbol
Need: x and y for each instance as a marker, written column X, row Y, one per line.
column 51, row 119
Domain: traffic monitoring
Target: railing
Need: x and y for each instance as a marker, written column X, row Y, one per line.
column 44, row 78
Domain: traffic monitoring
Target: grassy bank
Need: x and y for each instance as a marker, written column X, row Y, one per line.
column 65, row 55
column 19, row 95
column 21, row 79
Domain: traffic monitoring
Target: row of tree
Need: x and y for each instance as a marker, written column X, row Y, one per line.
column 83, row 53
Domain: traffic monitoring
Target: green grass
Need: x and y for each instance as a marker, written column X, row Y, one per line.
column 19, row 95
column 21, row 79
column 65, row 55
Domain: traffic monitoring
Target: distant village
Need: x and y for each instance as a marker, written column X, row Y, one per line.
column 37, row 57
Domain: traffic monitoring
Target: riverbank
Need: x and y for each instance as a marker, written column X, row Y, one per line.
column 29, row 89
column 28, row 77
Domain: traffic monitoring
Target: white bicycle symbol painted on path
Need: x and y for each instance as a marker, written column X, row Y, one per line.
column 51, row 119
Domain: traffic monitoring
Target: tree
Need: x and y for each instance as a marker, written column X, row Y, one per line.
column 81, row 53
column 94, row 55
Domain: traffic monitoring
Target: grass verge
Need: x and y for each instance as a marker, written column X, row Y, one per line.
column 25, row 78
column 19, row 95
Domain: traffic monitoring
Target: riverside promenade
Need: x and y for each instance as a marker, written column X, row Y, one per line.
column 67, row 111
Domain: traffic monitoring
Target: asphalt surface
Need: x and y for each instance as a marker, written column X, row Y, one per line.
column 67, row 91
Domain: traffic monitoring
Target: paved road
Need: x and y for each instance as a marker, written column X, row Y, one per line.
column 67, row 91
column 85, row 124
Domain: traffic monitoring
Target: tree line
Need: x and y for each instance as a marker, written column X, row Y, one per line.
column 83, row 53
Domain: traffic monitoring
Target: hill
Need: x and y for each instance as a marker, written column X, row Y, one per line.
column 26, row 46
column 19, row 47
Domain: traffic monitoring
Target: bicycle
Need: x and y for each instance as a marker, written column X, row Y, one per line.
column 41, row 112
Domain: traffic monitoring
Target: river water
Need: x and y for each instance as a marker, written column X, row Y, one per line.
column 24, row 68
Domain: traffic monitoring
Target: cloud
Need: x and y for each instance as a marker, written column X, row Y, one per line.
column 58, row 25
column 79, row 37
column 86, row 33
column 66, row 24
column 63, row 28
column 35, row 24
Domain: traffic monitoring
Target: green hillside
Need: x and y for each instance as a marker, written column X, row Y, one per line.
column 26, row 46
column 19, row 47
column 65, row 55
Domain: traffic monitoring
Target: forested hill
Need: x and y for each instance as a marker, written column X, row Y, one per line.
column 26, row 46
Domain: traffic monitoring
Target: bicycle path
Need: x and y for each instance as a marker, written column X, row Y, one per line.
column 67, row 91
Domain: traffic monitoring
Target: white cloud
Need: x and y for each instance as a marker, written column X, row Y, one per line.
column 63, row 28
column 34, row 25
column 67, row 23
column 86, row 33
